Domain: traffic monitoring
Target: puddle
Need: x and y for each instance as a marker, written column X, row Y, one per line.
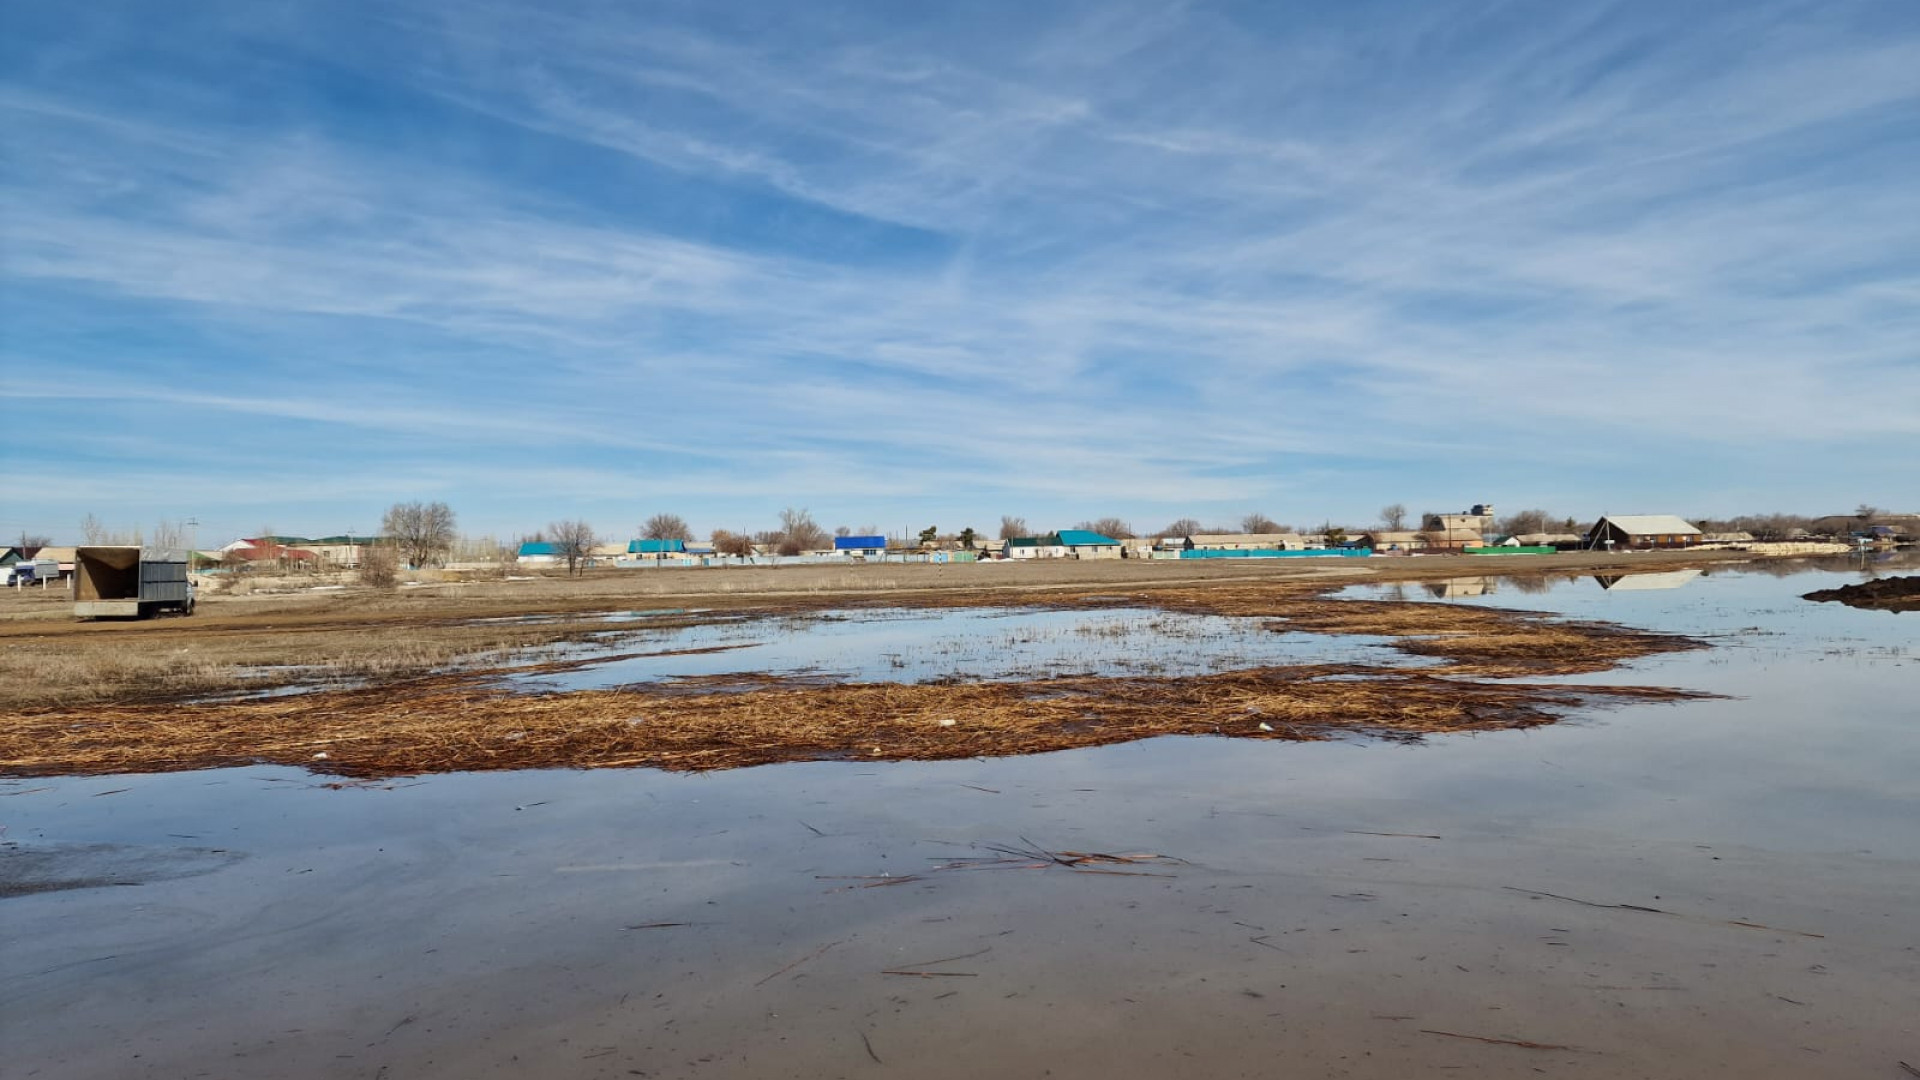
column 951, row 645
column 1716, row 888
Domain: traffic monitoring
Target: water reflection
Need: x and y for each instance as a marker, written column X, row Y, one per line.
column 1666, row 579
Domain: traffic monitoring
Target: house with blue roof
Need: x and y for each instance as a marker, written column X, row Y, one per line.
column 1082, row 544
column 657, row 548
column 864, row 546
column 538, row 553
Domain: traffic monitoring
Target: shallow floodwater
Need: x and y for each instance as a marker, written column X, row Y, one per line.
column 937, row 645
column 1355, row 909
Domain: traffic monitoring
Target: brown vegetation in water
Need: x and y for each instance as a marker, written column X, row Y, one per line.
column 456, row 724
column 461, row 722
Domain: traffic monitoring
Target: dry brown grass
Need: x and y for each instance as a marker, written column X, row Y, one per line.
column 183, row 660
column 456, row 724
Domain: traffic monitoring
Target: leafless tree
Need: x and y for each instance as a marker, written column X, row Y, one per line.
column 1394, row 516
column 1013, row 528
column 422, row 532
column 571, row 540
column 799, row 532
column 167, row 535
column 95, row 531
column 1261, row 523
column 843, row 530
column 1183, row 527
column 665, row 527
column 1110, row 527
column 28, row 540
column 1523, row 522
column 1866, row 513
column 735, row 544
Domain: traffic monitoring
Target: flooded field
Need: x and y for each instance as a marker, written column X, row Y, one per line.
column 944, row 645
column 1722, row 887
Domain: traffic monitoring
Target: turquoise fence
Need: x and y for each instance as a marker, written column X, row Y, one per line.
column 1275, row 553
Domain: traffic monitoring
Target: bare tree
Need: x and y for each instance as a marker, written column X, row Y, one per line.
column 1110, row 527
column 96, row 531
column 1866, row 513
column 735, row 544
column 799, row 532
column 1523, row 522
column 571, row 540
column 843, row 530
column 1261, row 523
column 1394, row 516
column 665, row 527
column 168, row 535
column 422, row 533
column 1183, row 527
column 30, row 540
column 1013, row 528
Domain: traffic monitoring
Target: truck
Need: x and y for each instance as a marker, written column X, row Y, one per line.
column 30, row 572
column 127, row 581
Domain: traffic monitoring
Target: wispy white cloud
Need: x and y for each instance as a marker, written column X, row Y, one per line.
column 1147, row 256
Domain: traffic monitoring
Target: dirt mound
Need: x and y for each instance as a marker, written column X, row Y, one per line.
column 1886, row 594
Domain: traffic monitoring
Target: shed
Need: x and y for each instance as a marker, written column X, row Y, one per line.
column 1642, row 531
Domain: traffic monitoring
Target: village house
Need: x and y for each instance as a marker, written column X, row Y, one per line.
column 1393, row 540
column 657, row 550
column 267, row 550
column 1035, row 547
column 538, row 553
column 860, row 546
column 1082, row 544
column 1641, row 532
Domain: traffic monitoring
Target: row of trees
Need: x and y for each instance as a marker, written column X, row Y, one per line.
column 1119, row 529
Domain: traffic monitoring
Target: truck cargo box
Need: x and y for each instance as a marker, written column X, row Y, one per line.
column 129, row 582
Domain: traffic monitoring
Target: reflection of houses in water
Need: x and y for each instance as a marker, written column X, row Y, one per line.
column 1666, row 579
column 1454, row 588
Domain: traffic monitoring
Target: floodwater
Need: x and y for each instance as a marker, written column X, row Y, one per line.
column 1719, row 888
column 939, row 645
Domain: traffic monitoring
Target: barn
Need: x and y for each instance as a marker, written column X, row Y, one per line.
column 1642, row 532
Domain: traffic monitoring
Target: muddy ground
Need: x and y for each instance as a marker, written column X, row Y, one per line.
column 1887, row 594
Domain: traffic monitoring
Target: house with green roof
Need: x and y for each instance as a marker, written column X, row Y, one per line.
column 1065, row 544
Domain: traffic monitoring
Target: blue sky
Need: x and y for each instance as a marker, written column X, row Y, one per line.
column 284, row 264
